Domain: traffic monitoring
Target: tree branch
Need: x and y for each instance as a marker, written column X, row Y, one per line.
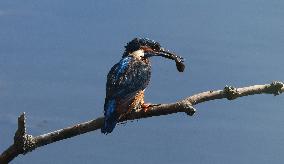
column 24, row 143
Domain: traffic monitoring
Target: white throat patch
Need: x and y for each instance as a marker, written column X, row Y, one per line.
column 138, row 54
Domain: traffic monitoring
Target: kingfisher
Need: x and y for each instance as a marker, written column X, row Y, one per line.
column 128, row 79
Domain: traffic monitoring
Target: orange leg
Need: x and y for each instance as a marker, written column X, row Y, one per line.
column 142, row 104
column 138, row 103
column 145, row 106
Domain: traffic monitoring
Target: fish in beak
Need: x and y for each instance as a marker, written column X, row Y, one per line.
column 149, row 52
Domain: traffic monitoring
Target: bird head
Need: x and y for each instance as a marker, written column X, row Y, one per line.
column 145, row 48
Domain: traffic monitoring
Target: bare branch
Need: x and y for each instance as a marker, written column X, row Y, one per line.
column 24, row 143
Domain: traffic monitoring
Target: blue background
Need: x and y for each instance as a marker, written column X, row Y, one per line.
column 55, row 54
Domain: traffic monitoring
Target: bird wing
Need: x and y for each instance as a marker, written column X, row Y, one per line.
column 124, row 81
column 127, row 78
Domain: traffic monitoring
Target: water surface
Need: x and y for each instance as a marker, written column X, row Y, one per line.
column 54, row 57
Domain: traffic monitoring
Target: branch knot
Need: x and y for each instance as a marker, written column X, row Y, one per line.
column 275, row 87
column 28, row 143
column 230, row 92
column 188, row 108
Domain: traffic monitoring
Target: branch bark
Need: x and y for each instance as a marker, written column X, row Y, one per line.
column 24, row 143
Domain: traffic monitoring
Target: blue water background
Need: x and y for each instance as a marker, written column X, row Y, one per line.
column 55, row 54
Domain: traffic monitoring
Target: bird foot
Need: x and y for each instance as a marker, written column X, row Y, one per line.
column 146, row 106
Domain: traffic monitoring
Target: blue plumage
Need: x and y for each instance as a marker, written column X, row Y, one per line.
column 110, row 107
column 127, row 80
column 111, row 116
column 122, row 65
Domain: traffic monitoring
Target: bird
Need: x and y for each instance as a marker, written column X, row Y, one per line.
column 128, row 79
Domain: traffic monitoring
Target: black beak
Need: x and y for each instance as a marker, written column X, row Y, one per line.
column 169, row 55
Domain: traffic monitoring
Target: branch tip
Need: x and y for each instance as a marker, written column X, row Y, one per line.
column 21, row 131
column 275, row 88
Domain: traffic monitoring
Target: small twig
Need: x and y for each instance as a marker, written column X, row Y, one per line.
column 24, row 143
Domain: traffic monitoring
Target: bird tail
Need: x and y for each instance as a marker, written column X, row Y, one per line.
column 111, row 116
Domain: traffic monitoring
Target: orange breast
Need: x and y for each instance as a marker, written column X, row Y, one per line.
column 126, row 106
